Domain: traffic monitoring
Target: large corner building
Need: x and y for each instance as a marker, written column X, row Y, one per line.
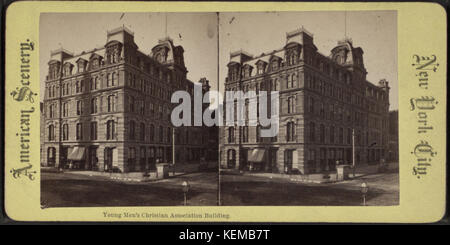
column 109, row 108
column 323, row 101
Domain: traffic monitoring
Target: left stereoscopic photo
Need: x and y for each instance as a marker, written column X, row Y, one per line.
column 106, row 137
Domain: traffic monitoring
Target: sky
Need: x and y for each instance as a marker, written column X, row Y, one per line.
column 255, row 32
column 261, row 32
column 77, row 32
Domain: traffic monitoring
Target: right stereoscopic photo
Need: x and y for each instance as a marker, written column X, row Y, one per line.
column 311, row 109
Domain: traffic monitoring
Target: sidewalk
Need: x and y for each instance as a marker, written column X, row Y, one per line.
column 318, row 178
column 180, row 170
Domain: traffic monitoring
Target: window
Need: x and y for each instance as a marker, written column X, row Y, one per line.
column 245, row 134
column 341, row 135
column 169, row 134
column 152, row 133
column 79, row 107
column 82, row 86
column 290, row 131
column 113, row 76
column 260, row 69
column 274, row 65
column 258, row 133
column 111, row 104
column 51, row 111
column 94, row 105
column 322, row 110
column 142, row 132
column 132, row 130
column 65, row 131
column 93, row 130
column 230, row 134
column 332, row 134
column 142, row 107
column 77, row 86
column 108, row 80
column 291, row 105
column 51, row 132
column 289, row 81
column 311, row 105
column 79, row 131
column 349, row 136
column 110, row 130
column 322, row 133
column 65, row 106
column 312, row 132
column 293, row 80
column 161, row 134
column 131, row 104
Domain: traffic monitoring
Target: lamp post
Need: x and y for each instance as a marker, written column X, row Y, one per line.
column 185, row 188
column 353, row 152
column 364, row 190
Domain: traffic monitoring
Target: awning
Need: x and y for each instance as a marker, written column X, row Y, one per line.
column 77, row 154
column 257, row 155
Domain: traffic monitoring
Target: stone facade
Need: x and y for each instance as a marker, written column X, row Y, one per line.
column 109, row 108
column 323, row 100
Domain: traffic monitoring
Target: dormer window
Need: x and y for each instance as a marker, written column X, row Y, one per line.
column 260, row 69
column 275, row 64
column 248, row 71
column 261, row 66
column 67, row 69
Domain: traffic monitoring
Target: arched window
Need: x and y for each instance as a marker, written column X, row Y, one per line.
column 331, row 134
column 291, row 105
column 152, row 133
column 110, row 130
column 245, row 134
column 290, row 131
column 51, row 132
column 94, row 105
column 65, row 131
column 294, row 80
column 79, row 135
column 230, row 134
column 312, row 135
column 108, row 80
column 132, row 131
column 322, row 133
column 113, row 77
column 111, row 103
column 311, row 105
column 51, row 156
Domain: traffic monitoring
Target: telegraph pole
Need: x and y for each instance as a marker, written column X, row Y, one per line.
column 173, row 151
column 353, row 153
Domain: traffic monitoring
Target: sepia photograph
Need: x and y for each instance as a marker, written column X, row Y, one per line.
column 111, row 133
column 107, row 137
column 335, row 74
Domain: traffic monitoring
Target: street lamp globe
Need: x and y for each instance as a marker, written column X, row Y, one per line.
column 364, row 188
column 185, row 186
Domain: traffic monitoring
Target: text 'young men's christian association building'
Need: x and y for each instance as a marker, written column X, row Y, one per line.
column 109, row 108
column 323, row 99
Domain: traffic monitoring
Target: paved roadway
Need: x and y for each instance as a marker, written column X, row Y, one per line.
column 71, row 190
column 243, row 190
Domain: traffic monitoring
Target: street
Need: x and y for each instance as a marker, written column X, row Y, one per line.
column 72, row 190
column 241, row 190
